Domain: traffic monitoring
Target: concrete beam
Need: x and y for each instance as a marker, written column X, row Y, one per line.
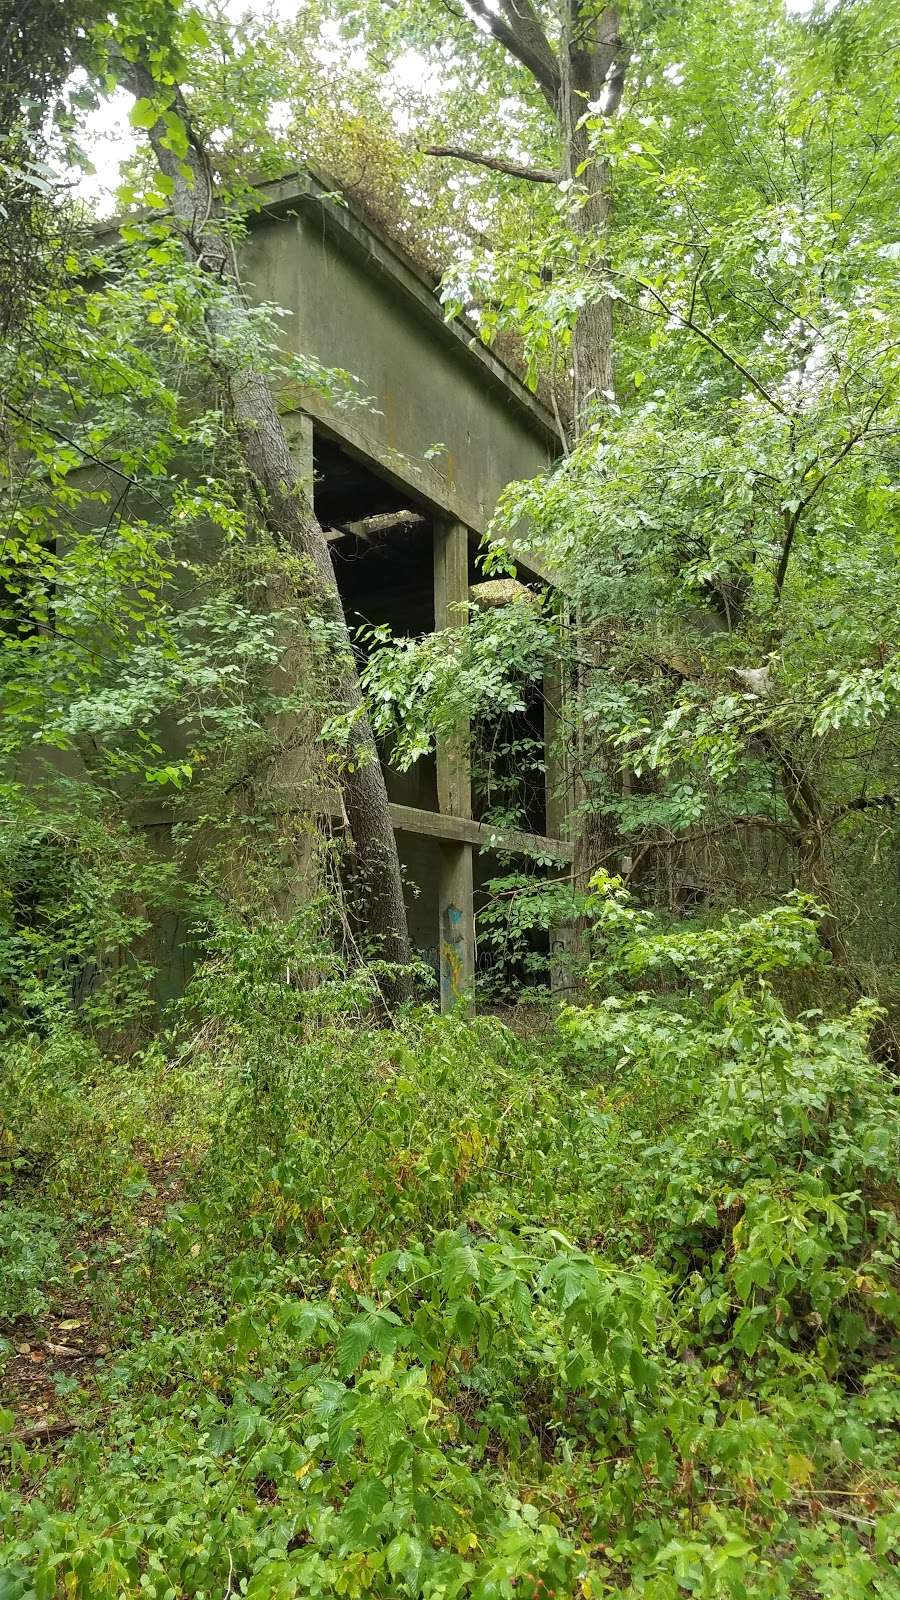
column 426, row 824
column 380, row 525
column 410, row 477
column 304, row 190
column 326, row 216
column 430, row 825
column 456, row 900
column 464, row 830
column 298, row 428
column 559, row 806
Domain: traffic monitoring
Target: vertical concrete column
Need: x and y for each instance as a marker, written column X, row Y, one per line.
column 556, row 776
column 295, row 778
column 456, row 924
column 451, row 589
column 559, row 801
column 456, row 911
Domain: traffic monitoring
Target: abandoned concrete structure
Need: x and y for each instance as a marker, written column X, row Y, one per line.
column 449, row 427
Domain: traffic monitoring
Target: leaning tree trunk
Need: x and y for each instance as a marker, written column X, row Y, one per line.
column 286, row 508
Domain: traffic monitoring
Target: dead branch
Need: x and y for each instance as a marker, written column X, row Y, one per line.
column 513, row 169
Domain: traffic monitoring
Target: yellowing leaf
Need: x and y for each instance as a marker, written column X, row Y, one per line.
column 800, row 1468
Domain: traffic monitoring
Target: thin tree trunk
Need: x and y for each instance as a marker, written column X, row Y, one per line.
column 287, row 510
column 816, row 878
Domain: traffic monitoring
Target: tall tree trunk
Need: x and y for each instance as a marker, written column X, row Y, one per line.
column 591, row 75
column 584, row 74
column 286, row 507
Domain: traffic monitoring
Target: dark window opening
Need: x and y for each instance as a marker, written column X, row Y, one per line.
column 508, row 769
column 382, row 547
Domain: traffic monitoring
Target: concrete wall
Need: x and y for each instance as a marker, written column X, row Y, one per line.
column 358, row 304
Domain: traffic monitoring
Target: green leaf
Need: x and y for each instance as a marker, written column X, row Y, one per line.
column 362, row 1508
column 144, row 113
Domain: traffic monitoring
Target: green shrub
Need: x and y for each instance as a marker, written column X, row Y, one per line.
column 434, row 1310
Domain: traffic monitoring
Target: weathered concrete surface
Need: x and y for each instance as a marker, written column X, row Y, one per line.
column 448, row 427
column 359, row 304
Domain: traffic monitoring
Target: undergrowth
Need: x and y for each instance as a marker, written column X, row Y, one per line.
column 438, row 1309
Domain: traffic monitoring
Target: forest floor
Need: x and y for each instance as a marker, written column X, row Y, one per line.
column 576, row 1307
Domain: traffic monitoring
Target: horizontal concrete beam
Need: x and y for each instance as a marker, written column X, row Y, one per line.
column 305, row 189
column 463, row 830
column 408, row 476
column 427, row 824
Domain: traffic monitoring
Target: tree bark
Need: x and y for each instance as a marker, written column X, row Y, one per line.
column 590, row 75
column 512, row 169
column 816, row 878
column 587, row 71
column 287, row 510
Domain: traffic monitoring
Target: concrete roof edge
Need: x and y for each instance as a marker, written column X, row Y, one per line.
column 304, row 186
column 307, row 184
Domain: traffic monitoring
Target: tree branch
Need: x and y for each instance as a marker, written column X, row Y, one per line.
column 792, row 518
column 865, row 802
column 66, row 439
column 520, row 32
column 702, row 333
column 514, row 169
column 524, row 20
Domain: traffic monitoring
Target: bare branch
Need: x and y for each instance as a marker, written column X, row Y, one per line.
column 513, row 169
column 792, row 519
column 708, row 338
column 42, row 426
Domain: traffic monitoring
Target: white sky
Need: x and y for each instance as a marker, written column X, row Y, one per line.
column 109, row 139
